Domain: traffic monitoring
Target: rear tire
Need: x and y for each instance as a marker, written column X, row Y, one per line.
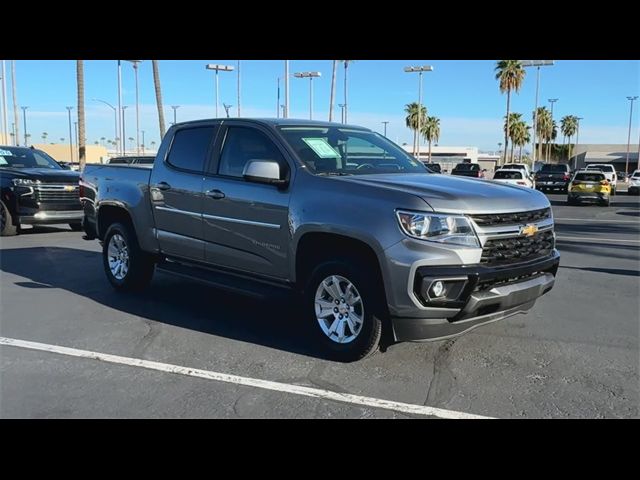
column 342, row 338
column 127, row 267
column 76, row 227
column 7, row 227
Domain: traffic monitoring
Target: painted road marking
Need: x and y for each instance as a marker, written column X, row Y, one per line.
column 596, row 220
column 596, row 239
column 245, row 381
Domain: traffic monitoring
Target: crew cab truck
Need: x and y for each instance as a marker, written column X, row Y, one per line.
column 36, row 190
column 553, row 177
column 356, row 229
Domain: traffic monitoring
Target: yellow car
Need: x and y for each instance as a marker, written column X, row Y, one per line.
column 589, row 186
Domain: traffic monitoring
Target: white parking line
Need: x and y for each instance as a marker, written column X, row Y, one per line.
column 249, row 382
column 596, row 239
column 613, row 220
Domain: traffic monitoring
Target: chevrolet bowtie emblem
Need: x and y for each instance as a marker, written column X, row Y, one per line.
column 69, row 188
column 528, row 230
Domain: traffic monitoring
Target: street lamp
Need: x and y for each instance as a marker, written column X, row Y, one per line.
column 175, row 107
column 537, row 64
column 226, row 108
column 5, row 121
column 551, row 101
column 575, row 166
column 135, row 70
column 70, row 134
column 285, row 113
column 310, row 76
column 218, row 68
column 342, row 105
column 115, row 114
column 24, row 120
column 123, row 140
column 142, row 141
column 631, row 100
column 419, row 69
column 385, row 128
column 120, row 134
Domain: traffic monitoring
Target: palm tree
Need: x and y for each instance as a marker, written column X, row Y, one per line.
column 82, row 149
column 102, row 139
column 131, row 139
column 510, row 74
column 332, row 97
column 156, row 83
column 543, row 122
column 520, row 136
column 153, row 144
column 96, row 142
column 514, row 118
column 44, row 137
column 61, row 139
column 569, row 125
column 411, row 109
column 431, row 131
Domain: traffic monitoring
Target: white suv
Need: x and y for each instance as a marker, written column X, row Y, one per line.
column 634, row 183
column 609, row 173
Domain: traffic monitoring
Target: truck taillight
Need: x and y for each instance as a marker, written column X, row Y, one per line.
column 566, row 177
column 81, row 190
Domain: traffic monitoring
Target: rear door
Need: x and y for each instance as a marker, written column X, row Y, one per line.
column 246, row 224
column 176, row 191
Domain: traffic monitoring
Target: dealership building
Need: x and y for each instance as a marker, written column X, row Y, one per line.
column 615, row 154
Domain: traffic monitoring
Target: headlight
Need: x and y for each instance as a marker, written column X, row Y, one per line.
column 454, row 229
column 20, row 182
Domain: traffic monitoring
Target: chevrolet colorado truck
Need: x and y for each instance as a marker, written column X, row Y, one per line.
column 338, row 216
column 36, row 190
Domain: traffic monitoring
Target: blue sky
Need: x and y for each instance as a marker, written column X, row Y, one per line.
column 463, row 94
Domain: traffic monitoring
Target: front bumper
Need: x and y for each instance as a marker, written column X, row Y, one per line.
column 489, row 294
column 53, row 216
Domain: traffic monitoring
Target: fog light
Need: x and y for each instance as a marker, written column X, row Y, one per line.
column 437, row 289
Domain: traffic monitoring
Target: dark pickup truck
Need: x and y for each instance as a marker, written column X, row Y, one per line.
column 467, row 170
column 36, row 190
column 553, row 177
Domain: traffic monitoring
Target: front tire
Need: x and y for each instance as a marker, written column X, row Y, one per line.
column 127, row 267
column 343, row 308
column 7, row 227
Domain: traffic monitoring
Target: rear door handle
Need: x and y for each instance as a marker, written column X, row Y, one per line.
column 215, row 194
column 162, row 186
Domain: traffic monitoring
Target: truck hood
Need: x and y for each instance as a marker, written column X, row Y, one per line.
column 45, row 175
column 449, row 194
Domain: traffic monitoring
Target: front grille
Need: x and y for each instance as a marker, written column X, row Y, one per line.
column 516, row 249
column 511, row 218
column 57, row 194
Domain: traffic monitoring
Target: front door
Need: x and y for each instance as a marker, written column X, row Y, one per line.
column 246, row 224
column 176, row 192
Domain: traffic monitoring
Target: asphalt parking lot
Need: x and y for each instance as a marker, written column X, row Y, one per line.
column 575, row 355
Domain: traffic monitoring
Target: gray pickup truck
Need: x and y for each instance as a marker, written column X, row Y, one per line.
column 336, row 215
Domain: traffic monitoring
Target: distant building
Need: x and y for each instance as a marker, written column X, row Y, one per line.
column 447, row 157
column 615, row 154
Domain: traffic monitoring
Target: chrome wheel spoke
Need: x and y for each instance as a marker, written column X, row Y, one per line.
column 341, row 322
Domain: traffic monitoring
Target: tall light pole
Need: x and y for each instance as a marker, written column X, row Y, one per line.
column 5, row 121
column 175, row 107
column 24, row 123
column 310, row 76
column 135, row 70
column 120, row 136
column 551, row 101
column 70, row 134
column 115, row 114
column 226, row 108
column 142, row 142
column 631, row 100
column 420, row 70
column 285, row 113
column 385, row 128
column 238, row 88
column 537, row 64
column 346, row 103
column 278, row 100
column 575, row 166
column 341, row 105
column 124, row 131
column 218, row 68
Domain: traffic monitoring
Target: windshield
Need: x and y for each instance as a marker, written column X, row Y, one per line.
column 344, row 151
column 636, row 174
column 507, row 175
column 11, row 157
column 554, row 168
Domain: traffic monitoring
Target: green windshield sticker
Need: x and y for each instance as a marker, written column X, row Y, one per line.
column 321, row 147
column 6, row 153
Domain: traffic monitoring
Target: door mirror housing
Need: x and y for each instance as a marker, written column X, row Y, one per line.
column 264, row 171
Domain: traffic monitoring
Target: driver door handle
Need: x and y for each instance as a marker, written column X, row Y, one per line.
column 215, row 194
column 163, row 186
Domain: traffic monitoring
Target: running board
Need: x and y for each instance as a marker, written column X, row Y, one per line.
column 226, row 281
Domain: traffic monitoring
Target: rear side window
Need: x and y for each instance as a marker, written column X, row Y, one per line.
column 190, row 148
column 589, row 177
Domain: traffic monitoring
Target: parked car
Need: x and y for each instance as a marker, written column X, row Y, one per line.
column 434, row 167
column 513, row 177
column 553, row 176
column 517, row 166
column 139, row 160
column 589, row 185
column 609, row 172
column 338, row 216
column 36, row 190
column 634, row 183
column 467, row 170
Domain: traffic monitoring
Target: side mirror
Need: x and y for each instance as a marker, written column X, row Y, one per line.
column 264, row 171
